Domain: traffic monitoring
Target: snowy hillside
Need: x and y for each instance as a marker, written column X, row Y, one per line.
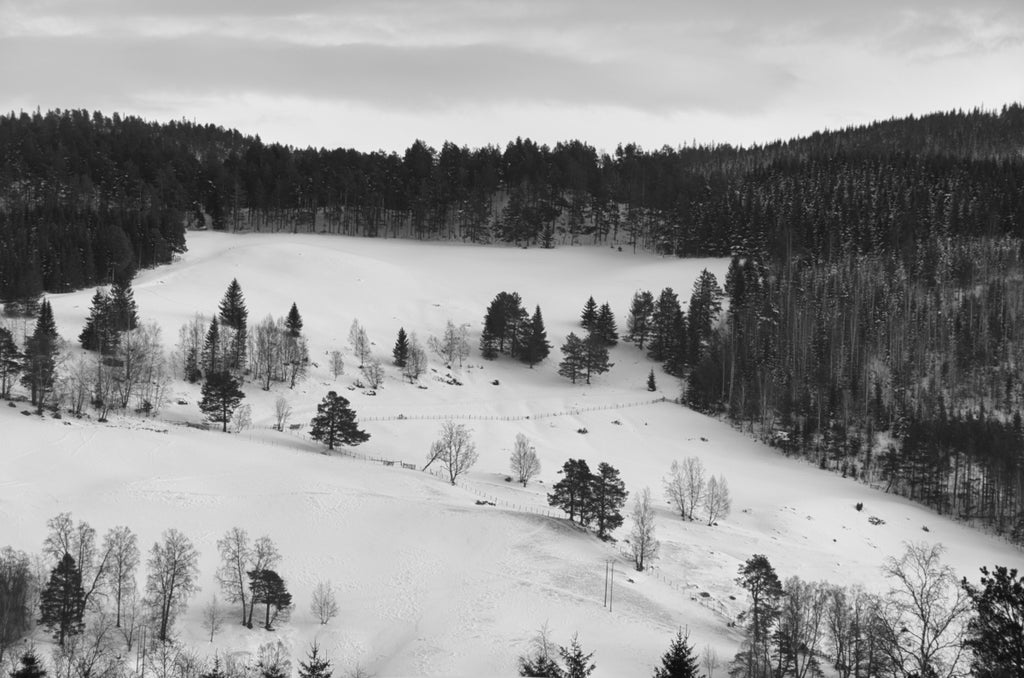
column 429, row 581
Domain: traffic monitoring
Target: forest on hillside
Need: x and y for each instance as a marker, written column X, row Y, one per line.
column 85, row 198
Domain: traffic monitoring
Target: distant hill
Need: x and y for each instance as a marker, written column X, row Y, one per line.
column 85, row 197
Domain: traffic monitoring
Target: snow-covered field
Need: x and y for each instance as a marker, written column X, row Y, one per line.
column 429, row 582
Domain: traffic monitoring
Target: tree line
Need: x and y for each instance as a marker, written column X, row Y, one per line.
column 86, row 197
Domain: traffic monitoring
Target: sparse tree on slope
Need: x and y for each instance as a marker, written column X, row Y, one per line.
column 221, row 395
column 40, row 365
column 758, row 577
column 62, row 601
column 595, row 357
column 415, row 361
column 359, row 342
column 576, row 663
column 335, row 423
column 642, row 542
column 638, row 324
column 293, row 323
column 540, row 661
column 401, row 349
column 234, row 314
column 588, row 318
column 608, row 498
column 324, row 603
column 171, row 580
column 605, row 326
column 524, row 462
column 455, row 450
column 267, row 588
column 680, row 660
column 996, row 631
column 573, row 365
column 235, row 558
column 536, row 346
column 317, row 666
column 11, row 362
column 122, row 546
column 574, row 492
column 717, row 501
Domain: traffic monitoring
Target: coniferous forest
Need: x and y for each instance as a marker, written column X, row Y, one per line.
column 875, row 304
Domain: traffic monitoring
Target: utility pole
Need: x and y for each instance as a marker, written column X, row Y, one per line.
column 611, row 586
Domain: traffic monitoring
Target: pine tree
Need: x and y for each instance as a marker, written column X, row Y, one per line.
column 595, row 357
column 335, row 423
column 29, row 666
column 573, row 365
column 62, row 601
column 574, row 492
column 97, row 335
column 124, row 314
column 605, row 326
column 758, row 577
column 702, row 313
column 504, row 324
column 11, row 362
column 996, row 632
column 679, row 661
column 213, row 361
column 608, row 496
column 678, row 351
column 401, row 349
column 577, row 664
column 317, row 666
column 268, row 589
column 651, row 384
column 536, row 347
column 40, row 364
column 664, row 325
column 638, row 325
column 293, row 323
column 221, row 396
column 588, row 319
column 234, row 314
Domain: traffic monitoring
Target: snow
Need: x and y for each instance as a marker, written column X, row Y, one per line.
column 428, row 581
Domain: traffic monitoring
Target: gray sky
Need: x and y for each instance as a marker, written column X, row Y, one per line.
column 379, row 74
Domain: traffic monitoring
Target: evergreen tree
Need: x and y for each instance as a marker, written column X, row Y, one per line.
column 536, row 347
column 401, row 349
column 758, row 577
column 608, row 496
column 588, row 319
column 679, row 661
column 41, row 357
column 62, row 601
column 215, row 671
column 539, row 666
column 638, row 324
column 221, row 396
column 605, row 326
column 317, row 666
column 11, row 362
column 573, row 365
column 651, row 384
column 29, row 666
column 595, row 357
column 488, row 343
column 996, row 632
column 678, row 357
column 574, row 492
column 705, row 305
column 335, row 423
column 213, row 361
column 293, row 323
column 234, row 314
column 664, row 325
column 98, row 333
column 577, row 664
column 124, row 314
column 504, row 324
column 268, row 589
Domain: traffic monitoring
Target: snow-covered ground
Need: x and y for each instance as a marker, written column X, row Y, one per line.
column 430, row 582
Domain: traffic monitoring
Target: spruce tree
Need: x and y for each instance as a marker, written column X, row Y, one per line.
column 664, row 325
column 573, row 365
column 588, row 318
column 29, row 666
column 608, row 496
column 62, row 601
column 335, row 423
column 11, row 362
column 293, row 323
column 317, row 666
column 574, row 492
column 680, row 660
column 401, row 349
column 98, row 333
column 213, row 361
column 995, row 633
column 638, row 325
column 215, row 671
column 221, row 397
column 705, row 305
column 536, row 347
column 678, row 356
column 605, row 326
column 40, row 364
column 577, row 664
column 595, row 357
column 651, row 384
column 234, row 314
column 124, row 314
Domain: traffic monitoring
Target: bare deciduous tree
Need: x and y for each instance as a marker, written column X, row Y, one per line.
column 359, row 342
column 717, row 501
column 282, row 410
column 213, row 617
column 416, row 361
column 452, row 345
column 337, row 363
column 324, row 604
column 685, row 486
column 709, row 658
column 79, row 541
column 242, row 418
column 373, row 373
column 122, row 545
column 265, row 556
column 524, row 461
column 925, row 614
column 454, row 450
column 235, row 560
column 642, row 543
column 171, row 580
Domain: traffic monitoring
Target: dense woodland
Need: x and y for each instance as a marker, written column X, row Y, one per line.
column 84, row 197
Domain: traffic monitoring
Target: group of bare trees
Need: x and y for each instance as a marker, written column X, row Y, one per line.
column 688, row 489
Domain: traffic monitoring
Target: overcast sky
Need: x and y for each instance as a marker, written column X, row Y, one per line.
column 377, row 74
